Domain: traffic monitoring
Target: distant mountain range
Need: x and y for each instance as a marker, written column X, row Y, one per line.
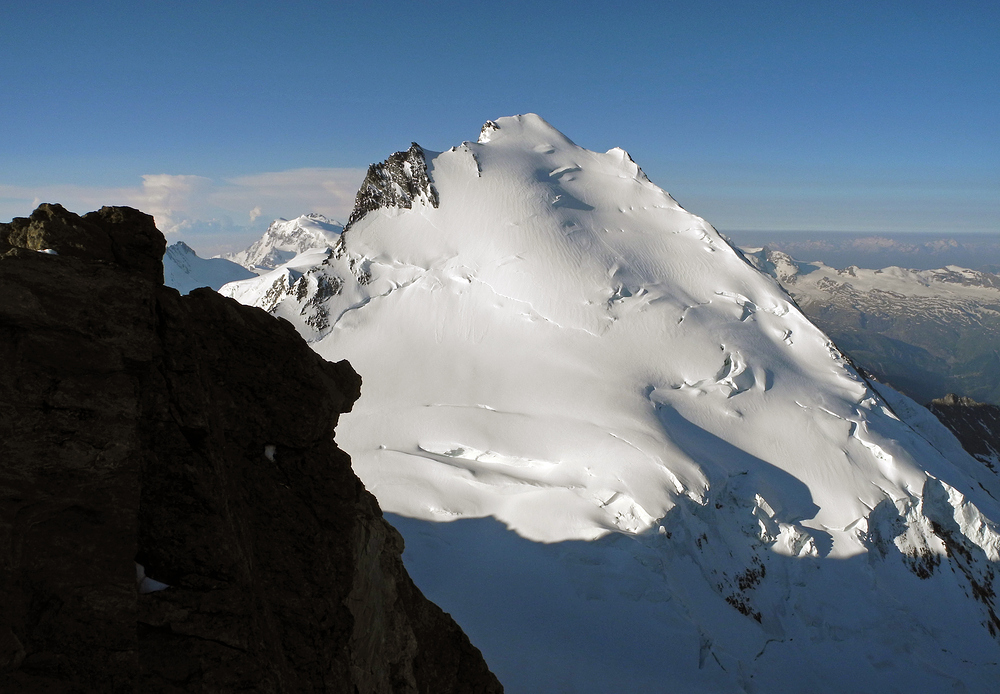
column 927, row 333
column 283, row 240
column 922, row 251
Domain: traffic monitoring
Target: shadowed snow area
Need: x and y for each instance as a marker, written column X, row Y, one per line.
column 184, row 270
column 695, row 484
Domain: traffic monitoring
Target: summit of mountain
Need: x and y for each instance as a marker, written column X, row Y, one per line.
column 286, row 238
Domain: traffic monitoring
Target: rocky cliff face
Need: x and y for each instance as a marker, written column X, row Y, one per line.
column 399, row 181
column 193, row 437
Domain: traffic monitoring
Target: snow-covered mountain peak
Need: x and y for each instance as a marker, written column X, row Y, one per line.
column 551, row 341
column 528, row 129
column 603, row 331
column 180, row 250
column 184, row 270
column 284, row 239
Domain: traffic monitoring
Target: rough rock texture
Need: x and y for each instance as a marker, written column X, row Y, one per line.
column 975, row 424
column 399, row 181
column 192, row 436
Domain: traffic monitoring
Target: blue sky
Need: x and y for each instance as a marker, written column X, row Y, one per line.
column 220, row 116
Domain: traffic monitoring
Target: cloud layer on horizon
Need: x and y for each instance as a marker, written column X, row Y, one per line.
column 211, row 215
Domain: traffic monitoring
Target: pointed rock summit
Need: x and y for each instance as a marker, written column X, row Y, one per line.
column 397, row 182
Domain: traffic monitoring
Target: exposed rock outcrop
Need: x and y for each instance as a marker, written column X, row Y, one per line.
column 399, row 181
column 193, row 437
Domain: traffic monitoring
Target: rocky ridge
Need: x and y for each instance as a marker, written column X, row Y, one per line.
column 135, row 439
column 399, row 181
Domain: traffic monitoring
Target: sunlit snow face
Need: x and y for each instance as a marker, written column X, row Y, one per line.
column 559, row 344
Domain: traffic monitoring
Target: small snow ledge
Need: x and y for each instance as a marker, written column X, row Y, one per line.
column 145, row 583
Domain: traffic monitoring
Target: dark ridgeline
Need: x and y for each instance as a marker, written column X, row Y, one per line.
column 194, row 436
column 398, row 181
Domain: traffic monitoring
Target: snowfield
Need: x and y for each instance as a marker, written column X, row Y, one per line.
column 285, row 239
column 620, row 455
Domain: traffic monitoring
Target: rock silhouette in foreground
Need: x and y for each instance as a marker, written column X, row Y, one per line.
column 189, row 438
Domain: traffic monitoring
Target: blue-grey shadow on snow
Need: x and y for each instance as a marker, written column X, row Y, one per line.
column 731, row 470
column 631, row 613
column 560, row 197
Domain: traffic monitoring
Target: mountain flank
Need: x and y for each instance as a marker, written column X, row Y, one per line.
column 184, row 270
column 176, row 515
column 975, row 424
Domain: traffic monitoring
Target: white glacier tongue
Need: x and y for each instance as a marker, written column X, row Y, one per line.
column 558, row 345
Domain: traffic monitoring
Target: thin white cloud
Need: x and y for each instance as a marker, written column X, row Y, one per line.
column 176, row 202
column 290, row 193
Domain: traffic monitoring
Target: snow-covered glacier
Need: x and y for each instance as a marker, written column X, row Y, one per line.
column 620, row 455
column 286, row 238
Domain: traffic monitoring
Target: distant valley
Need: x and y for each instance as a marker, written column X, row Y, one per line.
column 927, row 333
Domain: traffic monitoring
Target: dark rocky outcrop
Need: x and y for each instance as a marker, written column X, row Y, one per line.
column 399, row 181
column 192, row 436
column 975, row 424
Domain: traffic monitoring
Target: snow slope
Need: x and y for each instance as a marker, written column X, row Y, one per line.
column 688, row 482
column 284, row 239
column 184, row 270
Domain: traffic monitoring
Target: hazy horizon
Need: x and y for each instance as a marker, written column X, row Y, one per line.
column 913, row 250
